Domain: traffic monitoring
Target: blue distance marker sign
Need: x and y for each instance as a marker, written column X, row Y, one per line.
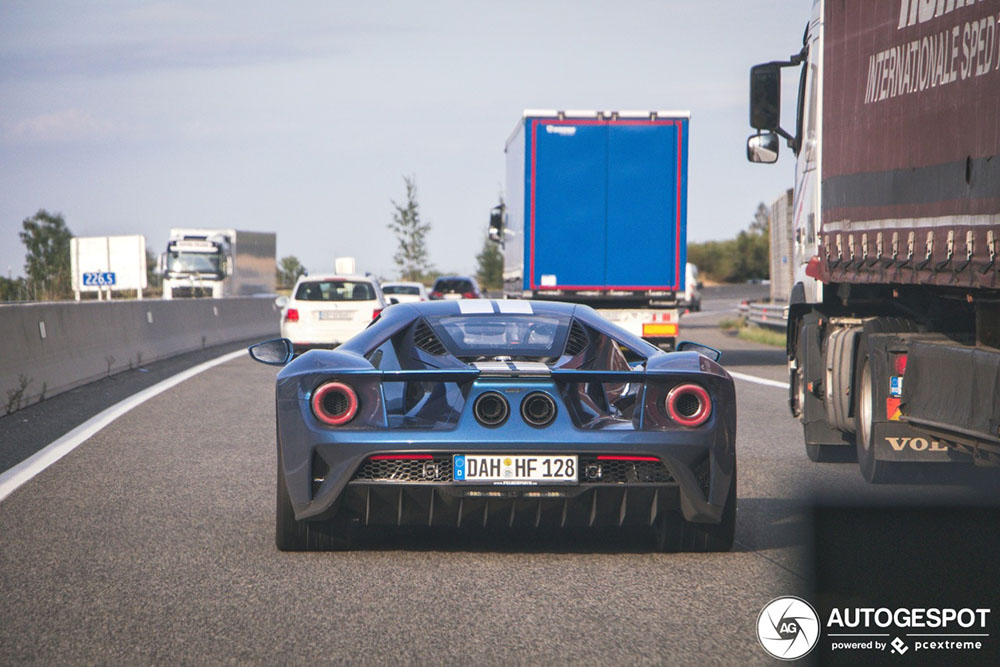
column 99, row 279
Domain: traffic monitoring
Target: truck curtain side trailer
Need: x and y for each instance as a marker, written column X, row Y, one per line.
column 894, row 320
column 218, row 263
column 596, row 212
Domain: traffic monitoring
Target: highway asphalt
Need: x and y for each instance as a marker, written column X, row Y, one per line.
column 153, row 543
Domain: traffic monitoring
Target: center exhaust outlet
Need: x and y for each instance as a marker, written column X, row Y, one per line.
column 538, row 409
column 491, row 409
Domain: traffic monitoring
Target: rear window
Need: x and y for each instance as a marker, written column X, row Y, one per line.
column 494, row 335
column 335, row 290
column 400, row 289
column 453, row 285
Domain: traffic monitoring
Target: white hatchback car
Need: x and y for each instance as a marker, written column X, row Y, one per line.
column 324, row 311
column 405, row 292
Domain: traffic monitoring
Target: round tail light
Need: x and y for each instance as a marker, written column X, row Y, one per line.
column 491, row 409
column 335, row 403
column 689, row 405
column 538, row 409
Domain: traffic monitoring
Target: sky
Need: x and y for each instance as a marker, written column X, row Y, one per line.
column 302, row 118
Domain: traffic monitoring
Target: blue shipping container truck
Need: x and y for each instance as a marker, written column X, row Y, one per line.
column 596, row 207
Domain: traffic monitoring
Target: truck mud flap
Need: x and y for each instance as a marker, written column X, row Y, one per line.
column 817, row 430
column 953, row 387
column 898, row 442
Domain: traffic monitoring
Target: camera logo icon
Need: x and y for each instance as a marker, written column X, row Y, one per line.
column 788, row 628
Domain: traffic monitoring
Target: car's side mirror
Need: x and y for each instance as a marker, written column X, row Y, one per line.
column 763, row 148
column 281, row 301
column 277, row 352
column 393, row 301
column 704, row 350
column 699, row 285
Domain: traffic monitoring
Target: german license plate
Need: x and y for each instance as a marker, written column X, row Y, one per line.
column 510, row 469
column 336, row 314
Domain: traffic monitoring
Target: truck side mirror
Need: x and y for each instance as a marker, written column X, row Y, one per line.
column 763, row 148
column 765, row 96
column 161, row 264
column 496, row 224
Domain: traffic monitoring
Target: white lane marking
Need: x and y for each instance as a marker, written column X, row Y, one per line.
column 514, row 306
column 472, row 306
column 14, row 478
column 757, row 380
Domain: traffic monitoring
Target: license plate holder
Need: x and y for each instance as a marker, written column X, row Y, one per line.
column 515, row 469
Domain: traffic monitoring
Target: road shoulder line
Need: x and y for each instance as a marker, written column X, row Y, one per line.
column 19, row 475
column 757, row 380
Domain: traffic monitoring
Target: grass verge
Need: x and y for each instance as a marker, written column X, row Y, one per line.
column 760, row 335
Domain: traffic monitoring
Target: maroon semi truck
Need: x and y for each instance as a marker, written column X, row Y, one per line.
column 894, row 322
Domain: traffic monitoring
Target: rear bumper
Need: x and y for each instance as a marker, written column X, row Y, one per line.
column 323, row 479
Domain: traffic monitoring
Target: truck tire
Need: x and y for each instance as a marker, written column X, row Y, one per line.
column 674, row 533
column 292, row 535
column 816, row 432
column 872, row 469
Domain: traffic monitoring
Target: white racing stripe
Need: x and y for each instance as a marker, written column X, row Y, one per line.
column 474, row 306
column 514, row 306
column 757, row 380
column 12, row 479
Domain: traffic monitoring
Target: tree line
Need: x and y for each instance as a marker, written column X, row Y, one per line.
column 747, row 257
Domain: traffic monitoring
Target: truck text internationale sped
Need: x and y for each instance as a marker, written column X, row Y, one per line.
column 596, row 213
column 894, row 318
column 218, row 263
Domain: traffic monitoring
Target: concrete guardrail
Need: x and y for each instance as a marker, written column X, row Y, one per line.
column 49, row 348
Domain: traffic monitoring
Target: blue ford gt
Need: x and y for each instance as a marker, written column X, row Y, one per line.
column 500, row 414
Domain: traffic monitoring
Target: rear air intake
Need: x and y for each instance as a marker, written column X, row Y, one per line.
column 538, row 409
column 689, row 405
column 491, row 409
column 425, row 338
column 576, row 341
column 334, row 403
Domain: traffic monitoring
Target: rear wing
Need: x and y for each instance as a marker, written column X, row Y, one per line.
column 463, row 375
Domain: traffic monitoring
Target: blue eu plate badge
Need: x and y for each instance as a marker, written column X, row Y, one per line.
column 459, row 466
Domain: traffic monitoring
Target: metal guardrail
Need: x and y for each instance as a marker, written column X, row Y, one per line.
column 770, row 315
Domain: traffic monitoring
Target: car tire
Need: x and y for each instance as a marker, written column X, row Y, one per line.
column 674, row 533
column 292, row 535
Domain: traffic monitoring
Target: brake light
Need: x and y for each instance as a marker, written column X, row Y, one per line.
column 689, row 405
column 334, row 403
column 376, row 313
column 608, row 457
column 292, row 315
column 436, row 295
column 900, row 364
column 469, row 295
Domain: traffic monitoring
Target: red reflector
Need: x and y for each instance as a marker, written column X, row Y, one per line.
column 626, row 458
column 292, row 315
column 469, row 295
column 376, row 313
column 400, row 457
column 813, row 267
column 900, row 364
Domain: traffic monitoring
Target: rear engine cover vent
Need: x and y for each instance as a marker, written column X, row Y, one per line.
column 577, row 340
column 425, row 338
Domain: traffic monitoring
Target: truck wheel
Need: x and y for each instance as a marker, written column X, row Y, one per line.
column 673, row 533
column 292, row 535
column 873, row 470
